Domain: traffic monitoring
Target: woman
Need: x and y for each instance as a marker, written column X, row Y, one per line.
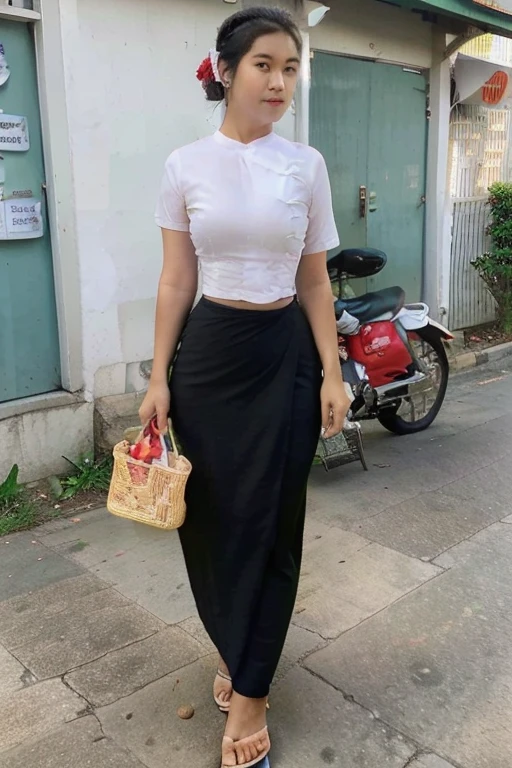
column 257, row 373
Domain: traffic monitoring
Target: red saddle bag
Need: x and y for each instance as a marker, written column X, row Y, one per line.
column 380, row 349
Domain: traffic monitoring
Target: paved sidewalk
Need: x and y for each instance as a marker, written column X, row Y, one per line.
column 400, row 652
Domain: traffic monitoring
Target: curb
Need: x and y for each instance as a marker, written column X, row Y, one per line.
column 473, row 359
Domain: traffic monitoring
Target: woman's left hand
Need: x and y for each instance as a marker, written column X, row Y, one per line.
column 335, row 405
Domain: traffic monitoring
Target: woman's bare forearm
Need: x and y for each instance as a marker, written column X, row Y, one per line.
column 172, row 309
column 317, row 303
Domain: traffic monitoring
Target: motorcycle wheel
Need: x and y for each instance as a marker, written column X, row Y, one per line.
column 407, row 417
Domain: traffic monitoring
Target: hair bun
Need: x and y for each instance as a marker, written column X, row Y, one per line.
column 214, row 90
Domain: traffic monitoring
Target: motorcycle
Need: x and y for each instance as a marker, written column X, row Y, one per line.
column 392, row 354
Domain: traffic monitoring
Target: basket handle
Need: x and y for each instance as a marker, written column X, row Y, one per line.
column 173, row 438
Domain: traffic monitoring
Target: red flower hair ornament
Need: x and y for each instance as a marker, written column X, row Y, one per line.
column 208, row 71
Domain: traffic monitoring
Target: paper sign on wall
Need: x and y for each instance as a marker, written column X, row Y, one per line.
column 22, row 219
column 3, row 228
column 14, row 133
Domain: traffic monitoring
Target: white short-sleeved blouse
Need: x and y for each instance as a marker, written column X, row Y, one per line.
column 252, row 211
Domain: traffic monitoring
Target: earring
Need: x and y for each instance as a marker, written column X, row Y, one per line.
column 227, row 84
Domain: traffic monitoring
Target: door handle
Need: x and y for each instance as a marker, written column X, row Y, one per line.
column 372, row 207
column 362, row 202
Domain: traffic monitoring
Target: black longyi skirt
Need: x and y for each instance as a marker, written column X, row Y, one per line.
column 245, row 401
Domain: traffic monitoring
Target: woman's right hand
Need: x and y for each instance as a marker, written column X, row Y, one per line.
column 156, row 403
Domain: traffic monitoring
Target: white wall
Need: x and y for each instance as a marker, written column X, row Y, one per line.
column 374, row 30
column 132, row 98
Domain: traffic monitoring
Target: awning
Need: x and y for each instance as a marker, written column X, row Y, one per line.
column 488, row 15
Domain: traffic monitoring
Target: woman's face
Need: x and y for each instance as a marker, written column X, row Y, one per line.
column 266, row 78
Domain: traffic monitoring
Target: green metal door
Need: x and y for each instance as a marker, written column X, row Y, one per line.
column 369, row 121
column 29, row 347
column 396, row 175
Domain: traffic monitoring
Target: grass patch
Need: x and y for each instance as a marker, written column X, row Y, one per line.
column 89, row 475
column 17, row 511
column 23, row 507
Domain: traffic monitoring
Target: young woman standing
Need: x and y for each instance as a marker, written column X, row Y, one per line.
column 257, row 372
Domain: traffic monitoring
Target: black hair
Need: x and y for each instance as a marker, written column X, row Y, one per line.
column 240, row 31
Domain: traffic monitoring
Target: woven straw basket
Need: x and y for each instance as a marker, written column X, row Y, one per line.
column 149, row 493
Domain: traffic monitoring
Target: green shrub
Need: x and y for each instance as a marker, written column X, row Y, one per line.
column 495, row 267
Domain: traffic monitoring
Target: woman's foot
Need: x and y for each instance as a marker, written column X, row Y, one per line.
column 246, row 740
column 222, row 687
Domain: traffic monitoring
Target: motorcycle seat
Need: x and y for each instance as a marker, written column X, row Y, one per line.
column 357, row 262
column 372, row 305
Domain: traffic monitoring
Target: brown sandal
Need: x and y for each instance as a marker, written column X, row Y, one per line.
column 261, row 742
column 222, row 705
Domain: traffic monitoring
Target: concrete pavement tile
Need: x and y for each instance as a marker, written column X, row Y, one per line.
column 345, row 580
column 194, row 626
column 430, row 761
column 35, row 711
column 489, row 489
column 146, row 723
column 21, row 617
column 478, row 549
column 429, row 524
column 437, row 665
column 128, row 669
column 311, row 724
column 343, row 496
column 79, row 744
column 35, row 622
column 13, row 675
column 315, row 529
column 88, row 629
column 98, row 527
column 401, row 469
column 507, row 519
column 299, row 644
column 323, row 554
column 144, row 564
column 27, row 566
column 68, row 525
column 153, row 574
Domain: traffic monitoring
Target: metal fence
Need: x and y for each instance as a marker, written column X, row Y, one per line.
column 471, row 303
column 480, row 149
column 490, row 47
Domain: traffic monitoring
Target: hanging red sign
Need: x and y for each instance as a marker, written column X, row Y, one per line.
column 494, row 89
